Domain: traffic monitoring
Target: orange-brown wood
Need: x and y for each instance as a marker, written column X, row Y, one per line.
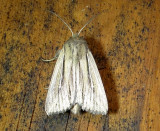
column 124, row 40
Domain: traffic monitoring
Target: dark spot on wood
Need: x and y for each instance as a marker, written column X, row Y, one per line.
column 128, row 65
column 41, row 103
column 126, row 54
column 75, row 119
column 136, row 24
column 57, row 48
column 133, row 124
column 145, row 29
column 126, row 89
column 31, row 11
column 124, row 120
column 140, row 37
column 140, row 59
column 31, row 74
column 30, row 43
column 11, row 48
column 150, row 4
column 129, row 45
column 7, row 65
column 39, row 60
column 4, row 36
column 1, row 81
column 31, row 110
column 71, row 24
column 90, row 8
column 46, row 26
column 86, row 15
column 24, row 32
column 136, row 42
column 111, row 53
column 74, row 1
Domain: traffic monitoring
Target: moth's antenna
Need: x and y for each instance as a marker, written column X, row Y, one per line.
column 62, row 21
column 87, row 23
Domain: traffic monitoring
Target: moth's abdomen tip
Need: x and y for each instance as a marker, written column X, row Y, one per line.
column 76, row 109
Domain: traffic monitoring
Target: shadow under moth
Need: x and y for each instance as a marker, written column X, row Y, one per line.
column 76, row 83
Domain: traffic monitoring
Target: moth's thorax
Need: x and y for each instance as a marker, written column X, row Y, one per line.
column 75, row 39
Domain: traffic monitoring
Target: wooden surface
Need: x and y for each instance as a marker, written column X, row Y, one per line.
column 125, row 41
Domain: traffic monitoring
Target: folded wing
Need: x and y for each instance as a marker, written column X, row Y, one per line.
column 94, row 97
column 58, row 96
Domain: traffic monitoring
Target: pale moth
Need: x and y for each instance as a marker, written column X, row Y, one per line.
column 76, row 83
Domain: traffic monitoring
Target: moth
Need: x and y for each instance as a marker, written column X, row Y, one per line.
column 76, row 83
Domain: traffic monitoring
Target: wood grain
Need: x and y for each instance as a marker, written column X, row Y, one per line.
column 124, row 40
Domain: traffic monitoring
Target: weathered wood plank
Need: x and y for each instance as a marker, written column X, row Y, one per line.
column 124, row 40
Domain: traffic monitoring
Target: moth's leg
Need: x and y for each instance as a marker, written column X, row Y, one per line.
column 55, row 57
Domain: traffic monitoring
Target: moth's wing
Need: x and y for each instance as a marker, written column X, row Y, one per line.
column 57, row 100
column 82, row 80
column 95, row 100
column 69, row 70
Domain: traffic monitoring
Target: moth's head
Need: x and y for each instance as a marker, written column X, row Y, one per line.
column 75, row 35
column 76, row 39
